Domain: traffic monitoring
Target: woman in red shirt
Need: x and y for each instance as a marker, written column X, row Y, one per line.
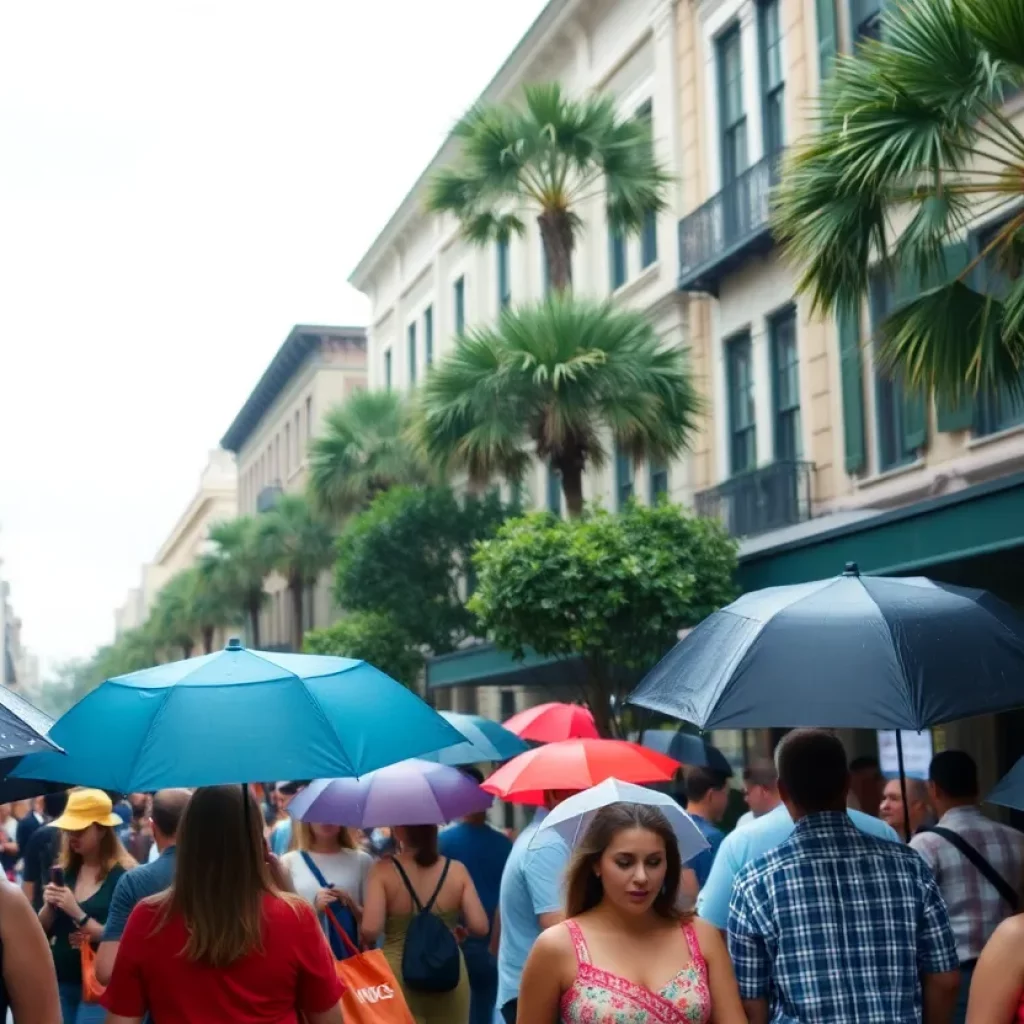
column 224, row 943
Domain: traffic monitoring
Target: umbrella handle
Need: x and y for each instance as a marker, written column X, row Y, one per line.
column 903, row 784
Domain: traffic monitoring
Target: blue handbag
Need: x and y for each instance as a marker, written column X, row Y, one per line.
column 342, row 915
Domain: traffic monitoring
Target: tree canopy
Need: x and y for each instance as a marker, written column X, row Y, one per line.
column 373, row 637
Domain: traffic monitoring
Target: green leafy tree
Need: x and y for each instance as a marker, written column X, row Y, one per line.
column 407, row 555
column 613, row 590
column 238, row 563
column 362, row 450
column 911, row 132
column 174, row 621
column 373, row 637
column 552, row 380
column 299, row 544
column 545, row 158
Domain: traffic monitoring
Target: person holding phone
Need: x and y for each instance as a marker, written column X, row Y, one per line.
column 77, row 899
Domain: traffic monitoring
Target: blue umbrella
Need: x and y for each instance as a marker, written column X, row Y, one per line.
column 684, row 747
column 484, row 740
column 239, row 716
column 855, row 652
column 1009, row 791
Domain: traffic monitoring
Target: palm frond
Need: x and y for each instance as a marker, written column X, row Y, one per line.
column 999, row 27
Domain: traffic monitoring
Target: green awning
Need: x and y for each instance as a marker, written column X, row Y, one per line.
column 976, row 521
column 485, row 665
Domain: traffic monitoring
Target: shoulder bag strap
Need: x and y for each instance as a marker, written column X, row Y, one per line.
column 984, row 867
column 440, row 883
column 408, row 885
column 315, row 871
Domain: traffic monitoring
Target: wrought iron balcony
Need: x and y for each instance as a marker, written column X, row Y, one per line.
column 764, row 499
column 728, row 229
column 266, row 499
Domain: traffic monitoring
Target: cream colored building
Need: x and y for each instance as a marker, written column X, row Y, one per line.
column 314, row 369
column 215, row 500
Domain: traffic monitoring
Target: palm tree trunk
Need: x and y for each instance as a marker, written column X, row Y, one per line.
column 208, row 639
column 572, row 488
column 254, row 624
column 295, row 587
column 556, row 234
column 186, row 649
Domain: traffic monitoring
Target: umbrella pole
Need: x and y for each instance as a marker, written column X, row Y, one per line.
column 903, row 783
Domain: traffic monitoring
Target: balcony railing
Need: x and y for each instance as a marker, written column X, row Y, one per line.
column 267, row 498
column 728, row 229
column 762, row 500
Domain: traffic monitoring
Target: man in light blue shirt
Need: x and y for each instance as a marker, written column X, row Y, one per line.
column 745, row 844
column 531, row 900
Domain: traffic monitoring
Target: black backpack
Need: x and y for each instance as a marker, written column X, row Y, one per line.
column 431, row 960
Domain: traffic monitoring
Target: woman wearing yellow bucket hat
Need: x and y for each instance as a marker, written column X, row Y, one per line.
column 77, row 899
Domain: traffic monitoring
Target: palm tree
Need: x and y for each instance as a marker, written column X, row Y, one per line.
column 545, row 159
column 239, row 563
column 362, row 451
column 174, row 619
column 910, row 129
column 300, row 546
column 550, row 379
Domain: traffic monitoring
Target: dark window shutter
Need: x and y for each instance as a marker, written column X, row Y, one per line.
column 827, row 40
column 952, row 416
column 915, row 421
column 850, row 368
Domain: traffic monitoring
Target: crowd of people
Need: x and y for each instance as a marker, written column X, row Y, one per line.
column 215, row 905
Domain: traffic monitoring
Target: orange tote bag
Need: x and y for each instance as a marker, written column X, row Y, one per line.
column 92, row 990
column 372, row 994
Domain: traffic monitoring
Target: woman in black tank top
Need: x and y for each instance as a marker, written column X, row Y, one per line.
column 28, row 984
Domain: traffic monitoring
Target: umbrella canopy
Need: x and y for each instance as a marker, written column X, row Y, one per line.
column 413, row 792
column 23, row 727
column 693, row 751
column 549, row 723
column 484, row 740
column 857, row 652
column 577, row 765
column 239, row 716
column 571, row 818
column 1009, row 790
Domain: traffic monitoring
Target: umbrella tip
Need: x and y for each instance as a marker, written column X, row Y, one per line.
column 234, row 644
column 851, row 569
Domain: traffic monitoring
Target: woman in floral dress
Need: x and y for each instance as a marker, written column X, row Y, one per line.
column 625, row 954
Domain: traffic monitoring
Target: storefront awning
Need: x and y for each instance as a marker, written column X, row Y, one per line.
column 485, row 665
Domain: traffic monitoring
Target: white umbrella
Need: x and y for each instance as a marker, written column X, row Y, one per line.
column 571, row 818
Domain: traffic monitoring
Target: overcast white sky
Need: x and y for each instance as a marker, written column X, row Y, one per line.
column 180, row 183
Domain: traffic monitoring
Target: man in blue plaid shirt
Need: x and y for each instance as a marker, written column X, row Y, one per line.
column 835, row 926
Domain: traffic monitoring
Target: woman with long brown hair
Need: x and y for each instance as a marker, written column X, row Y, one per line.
column 224, row 943
column 626, row 950
column 76, row 901
column 419, row 877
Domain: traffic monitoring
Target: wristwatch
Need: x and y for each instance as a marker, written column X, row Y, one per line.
column 81, row 921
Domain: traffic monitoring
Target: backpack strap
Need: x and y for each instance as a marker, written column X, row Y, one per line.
column 984, row 867
column 412, row 892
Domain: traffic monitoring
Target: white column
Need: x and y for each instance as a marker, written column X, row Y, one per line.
column 751, row 80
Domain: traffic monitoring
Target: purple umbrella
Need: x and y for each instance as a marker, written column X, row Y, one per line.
column 411, row 792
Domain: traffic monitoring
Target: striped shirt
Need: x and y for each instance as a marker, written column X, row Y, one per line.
column 975, row 907
column 837, row 927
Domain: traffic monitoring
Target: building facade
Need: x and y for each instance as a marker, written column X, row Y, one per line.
column 314, row 369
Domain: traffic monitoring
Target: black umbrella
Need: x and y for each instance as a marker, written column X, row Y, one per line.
column 855, row 652
column 23, row 730
column 688, row 749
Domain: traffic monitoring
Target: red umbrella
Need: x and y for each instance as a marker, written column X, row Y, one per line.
column 549, row 723
column 577, row 765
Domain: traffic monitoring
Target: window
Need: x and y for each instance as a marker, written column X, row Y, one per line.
column 658, row 481
column 504, row 283
column 731, row 113
column 287, row 450
column 412, row 353
column 616, row 258
column 649, row 231
column 309, row 416
column 786, row 385
column 554, row 491
column 508, row 704
column 773, row 84
column 428, row 336
column 866, row 19
column 459, row 292
column 297, row 441
column 624, row 476
column 742, row 409
column 387, row 370
column 891, row 427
